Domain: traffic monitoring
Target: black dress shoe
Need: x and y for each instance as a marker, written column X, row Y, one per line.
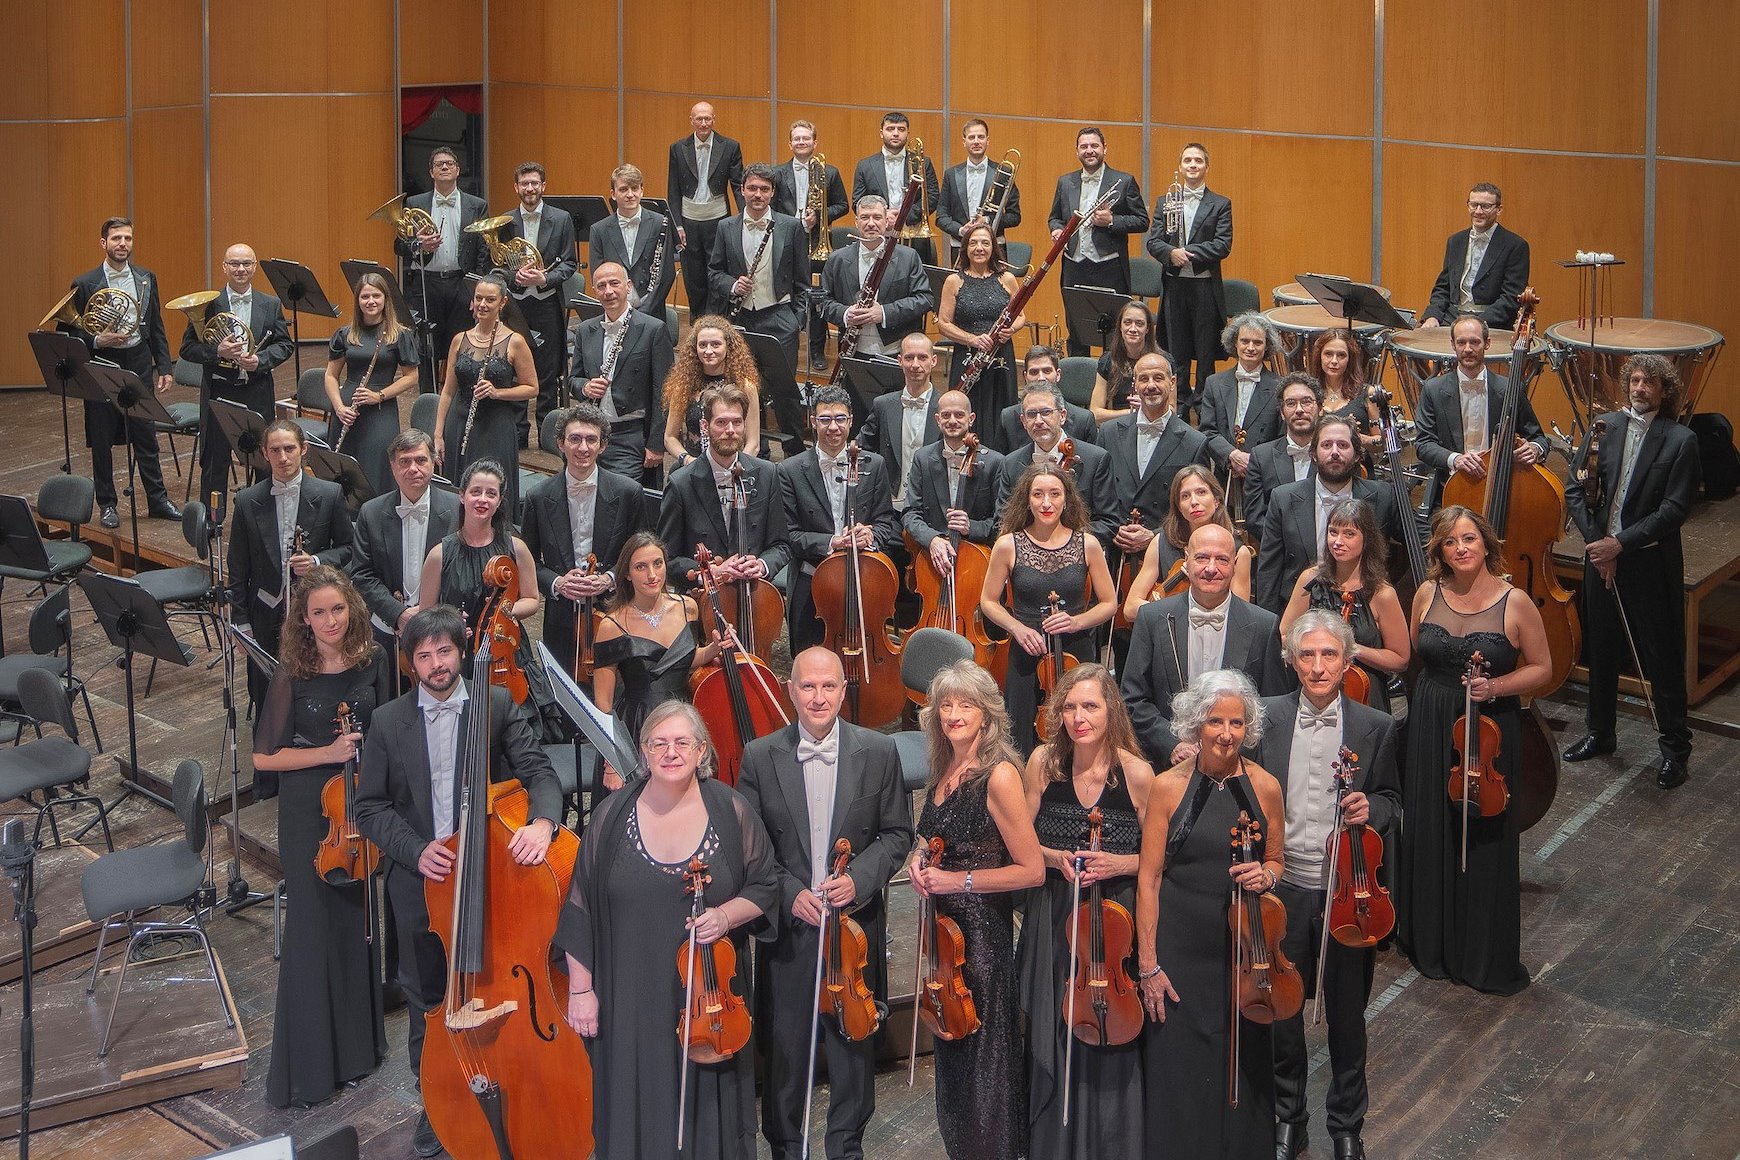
column 424, row 1142
column 165, row 510
column 1349, row 1148
column 1671, row 773
column 1290, row 1140
column 1589, row 745
column 818, row 362
column 110, row 517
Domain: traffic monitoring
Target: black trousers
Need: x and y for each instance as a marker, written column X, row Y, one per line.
column 549, row 345
column 1192, row 335
column 422, row 959
column 697, row 245
column 625, row 454
column 1107, row 275
column 1347, row 974
column 1654, row 599
column 214, row 448
column 103, row 421
column 781, row 322
column 445, row 314
column 786, row 1005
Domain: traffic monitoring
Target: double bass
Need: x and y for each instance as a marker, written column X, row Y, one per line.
column 1101, row 1006
column 503, row 1074
column 714, row 1024
column 739, row 697
column 951, row 600
column 941, row 997
column 854, row 591
column 1266, row 987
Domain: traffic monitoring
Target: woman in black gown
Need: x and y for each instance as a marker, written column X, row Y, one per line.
column 973, row 298
column 370, row 364
column 1465, row 926
column 1091, row 761
column 489, row 372
column 327, row 1029
column 1183, row 892
column 1044, row 548
column 1354, row 564
column 1115, row 374
column 974, row 802
column 714, row 354
column 1337, row 361
column 647, row 643
column 623, row 924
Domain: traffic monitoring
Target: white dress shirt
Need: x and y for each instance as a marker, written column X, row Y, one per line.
column 1245, row 386
column 1311, row 791
column 1085, row 249
column 1148, row 435
column 1477, row 243
column 869, row 334
column 1300, row 456
column 242, row 306
column 1207, row 639
column 833, row 472
column 413, row 544
column 582, row 510
column 913, row 409
column 722, row 481
column 286, row 499
column 705, row 206
column 952, row 459
column 1634, row 432
column 975, row 177
column 1192, row 203
column 534, row 221
column 125, row 281
column 1472, row 392
column 820, row 759
column 445, row 211
column 760, row 276
column 800, row 184
column 894, row 173
column 441, row 735
column 615, row 334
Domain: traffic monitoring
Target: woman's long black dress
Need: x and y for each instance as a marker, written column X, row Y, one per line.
column 1105, row 1103
column 1466, row 927
column 495, row 432
column 624, row 921
column 1185, row 1058
column 647, row 673
column 1037, row 573
column 327, row 1027
column 981, row 1083
column 375, row 426
column 1323, row 593
column 977, row 307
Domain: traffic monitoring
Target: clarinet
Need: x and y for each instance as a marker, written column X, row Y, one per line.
column 657, row 269
column 737, row 300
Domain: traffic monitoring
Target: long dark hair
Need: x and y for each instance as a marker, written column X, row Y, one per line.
column 1374, row 556
column 624, row 591
column 1059, row 760
column 1436, row 568
column 683, row 383
column 1124, row 365
column 1018, row 508
column 297, row 652
column 1176, row 528
column 502, row 522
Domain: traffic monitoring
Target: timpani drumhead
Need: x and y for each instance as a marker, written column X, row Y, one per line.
column 1637, row 335
column 1311, row 319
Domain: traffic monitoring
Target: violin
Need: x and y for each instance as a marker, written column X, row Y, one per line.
column 1360, row 911
column 1052, row 666
column 942, row 999
column 585, row 626
column 715, row 1022
column 845, row 953
column 1101, row 1006
column 854, row 592
column 951, row 601
column 344, row 856
column 1066, row 456
column 1268, row 985
column 757, row 610
column 1475, row 781
column 738, row 697
column 1355, row 681
column 503, row 1074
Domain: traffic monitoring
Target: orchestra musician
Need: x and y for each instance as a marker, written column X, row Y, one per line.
column 542, row 290
column 1337, row 360
column 813, row 484
column 1351, row 580
column 817, row 781
column 1645, row 482
column 715, row 354
column 623, row 926
column 1044, row 547
column 791, row 196
column 1195, row 499
column 408, row 799
column 1486, row 267
column 1091, row 762
column 900, row 422
column 1205, row 628
column 491, row 373
column 327, row 1028
column 1296, row 513
column 1304, row 732
column 903, row 297
column 394, row 531
column 1148, row 447
column 1041, row 364
column 228, row 373
column 1042, row 412
column 974, row 297
column 1243, row 398
column 440, row 260
column 965, row 186
column 705, row 172
column 933, row 484
column 1287, row 458
column 975, row 802
column 453, row 569
column 886, row 173
column 1458, row 410
column 634, row 237
column 1114, row 374
column 1099, row 254
column 582, row 511
column 621, row 360
column 1193, row 295
column 263, row 556
column 1183, row 893
column 370, row 363
column 1465, row 925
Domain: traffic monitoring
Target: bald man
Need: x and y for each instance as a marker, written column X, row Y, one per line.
column 815, row 782
column 706, row 171
column 629, row 386
column 230, row 373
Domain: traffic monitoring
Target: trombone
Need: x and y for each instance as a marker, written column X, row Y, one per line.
column 215, row 328
column 997, row 195
column 107, row 312
column 821, row 243
column 915, row 168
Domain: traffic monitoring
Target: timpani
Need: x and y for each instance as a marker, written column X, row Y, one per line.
column 1299, row 327
column 1293, row 294
column 1589, row 366
column 1428, row 352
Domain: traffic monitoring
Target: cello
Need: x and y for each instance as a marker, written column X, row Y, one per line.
column 757, row 610
column 1355, row 681
column 1056, row 662
column 941, row 997
column 503, row 1074
column 951, row 601
column 739, row 697
column 1266, row 987
column 854, row 591
column 1475, row 781
column 714, row 1025
column 1100, row 1004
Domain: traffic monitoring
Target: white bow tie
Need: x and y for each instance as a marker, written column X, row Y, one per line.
column 1472, row 386
column 912, row 404
column 1244, row 376
column 1213, row 620
column 1153, row 428
column 415, row 512
column 751, row 223
column 432, row 712
column 1193, row 195
column 808, row 750
column 292, row 488
column 830, row 467
column 578, row 489
column 1329, row 718
column 1294, row 451
column 1330, row 501
column 448, row 202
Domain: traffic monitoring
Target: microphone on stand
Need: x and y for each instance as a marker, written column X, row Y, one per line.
column 18, row 858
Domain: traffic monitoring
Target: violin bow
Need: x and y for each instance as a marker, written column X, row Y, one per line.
column 688, row 1020
column 924, row 905
column 1074, row 946
column 816, row 1017
column 767, row 689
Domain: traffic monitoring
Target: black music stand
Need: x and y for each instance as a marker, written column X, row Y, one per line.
column 64, row 362
column 134, row 400
column 585, row 307
column 606, row 733
column 135, row 622
column 301, row 293
column 337, row 467
column 778, row 374
column 246, row 432
column 1353, row 301
column 587, row 210
column 1093, row 310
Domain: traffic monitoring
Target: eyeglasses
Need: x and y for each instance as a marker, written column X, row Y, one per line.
column 682, row 745
column 833, row 420
column 1483, row 205
column 1039, row 413
column 579, row 440
column 444, row 163
column 247, row 264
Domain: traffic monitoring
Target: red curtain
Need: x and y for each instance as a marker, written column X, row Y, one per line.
column 418, row 105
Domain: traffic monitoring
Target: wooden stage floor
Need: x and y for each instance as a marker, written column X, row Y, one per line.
column 1627, row 1045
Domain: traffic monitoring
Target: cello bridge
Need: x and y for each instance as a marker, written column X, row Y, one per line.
column 474, row 1014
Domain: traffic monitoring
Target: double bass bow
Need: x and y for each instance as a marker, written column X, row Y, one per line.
column 854, row 591
column 714, row 1025
column 1475, row 781
column 1357, row 911
column 1590, row 476
column 1100, row 1005
column 1056, row 662
column 950, row 600
column 941, row 997
column 739, row 697
column 842, row 956
column 1266, row 987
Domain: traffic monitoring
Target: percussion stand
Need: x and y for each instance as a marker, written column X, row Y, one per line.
column 1591, row 274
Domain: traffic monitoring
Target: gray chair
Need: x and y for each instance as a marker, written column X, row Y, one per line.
column 311, row 396
column 424, row 408
column 49, row 767
column 118, row 885
column 1145, row 279
column 1018, row 256
column 923, row 655
column 1241, row 297
column 50, row 631
column 672, row 326
column 1076, row 376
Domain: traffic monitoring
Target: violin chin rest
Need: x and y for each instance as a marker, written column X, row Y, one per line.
column 881, row 1013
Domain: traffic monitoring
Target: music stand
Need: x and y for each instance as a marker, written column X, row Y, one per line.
column 301, row 293
column 337, row 467
column 63, row 360
column 586, row 307
column 778, row 374
column 134, row 622
column 1093, row 310
column 134, row 400
column 587, row 210
column 246, row 433
column 607, row 734
column 1353, row 301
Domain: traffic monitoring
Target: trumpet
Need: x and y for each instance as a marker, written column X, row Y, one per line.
column 512, row 255
column 215, row 328
column 915, row 168
column 1172, row 208
column 997, row 197
column 821, row 244
column 107, row 312
column 409, row 224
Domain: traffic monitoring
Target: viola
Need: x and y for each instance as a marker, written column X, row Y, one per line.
column 715, row 1022
column 756, row 610
column 1475, row 781
column 503, row 1074
column 1355, row 681
column 942, row 998
column 1268, row 987
column 1101, row 1006
column 586, row 617
column 1052, row 666
column 951, row 601
column 344, row 856
column 845, row 951
column 854, row 592
column 738, row 697
column 1360, row 911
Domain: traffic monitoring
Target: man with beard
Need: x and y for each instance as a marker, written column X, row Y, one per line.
column 1042, row 414
column 1459, row 409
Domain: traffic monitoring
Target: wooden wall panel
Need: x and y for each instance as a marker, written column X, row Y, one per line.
column 537, row 43
column 1549, row 74
column 441, row 41
column 571, row 131
column 45, row 39
column 1697, row 101
column 166, row 54
column 312, row 46
column 1004, row 58
column 653, row 120
column 723, row 53
column 844, row 135
column 1299, row 68
column 1697, row 249
column 824, row 60
column 169, row 199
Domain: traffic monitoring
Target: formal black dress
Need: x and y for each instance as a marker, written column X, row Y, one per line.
column 1466, row 927
column 1105, row 1103
column 462, row 587
column 1037, row 573
column 1185, row 1058
column 624, row 921
column 647, row 673
column 375, row 426
column 494, row 432
column 1323, row 593
column 977, row 307
column 327, row 1027
column 1118, row 388
column 981, row 1081
column 694, row 423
